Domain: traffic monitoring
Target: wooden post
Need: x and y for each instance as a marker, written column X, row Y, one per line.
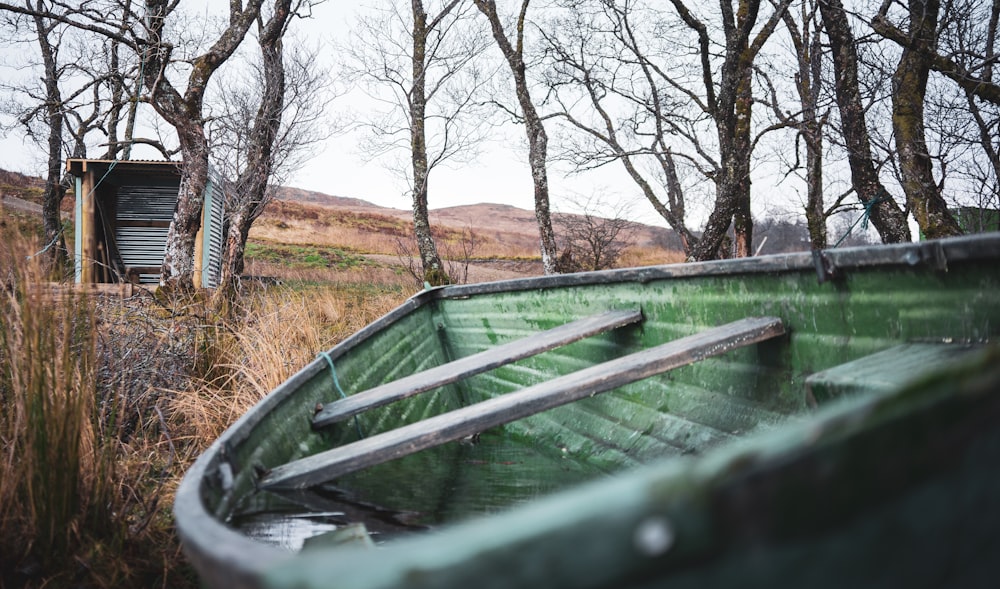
column 87, row 237
column 199, row 251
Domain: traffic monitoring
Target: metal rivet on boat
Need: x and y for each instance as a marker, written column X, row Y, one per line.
column 653, row 536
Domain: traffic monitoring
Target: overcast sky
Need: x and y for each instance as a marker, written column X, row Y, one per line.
column 500, row 175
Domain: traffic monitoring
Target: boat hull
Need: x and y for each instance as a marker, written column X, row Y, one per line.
column 784, row 504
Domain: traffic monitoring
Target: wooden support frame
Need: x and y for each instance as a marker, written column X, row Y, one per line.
column 87, row 236
column 438, row 376
column 454, row 425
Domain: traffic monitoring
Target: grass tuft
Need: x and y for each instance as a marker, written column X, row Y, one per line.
column 75, row 495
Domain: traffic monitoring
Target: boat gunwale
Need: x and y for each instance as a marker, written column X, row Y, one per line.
column 203, row 534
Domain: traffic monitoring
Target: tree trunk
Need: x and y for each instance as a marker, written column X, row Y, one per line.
column 730, row 112
column 888, row 219
column 742, row 219
column 909, row 86
column 244, row 207
column 233, row 256
column 178, row 258
column 56, row 253
column 537, row 137
column 675, row 202
column 808, row 83
column 732, row 123
column 815, row 213
column 434, row 273
column 184, row 113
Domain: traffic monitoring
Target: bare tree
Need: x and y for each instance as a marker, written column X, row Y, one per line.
column 513, row 52
column 586, row 68
column 961, row 109
column 124, row 86
column 729, row 105
column 421, row 66
column 184, row 112
column 807, row 42
column 64, row 109
column 55, row 189
column 909, row 87
column 616, row 61
column 160, row 70
column 459, row 255
column 592, row 240
column 267, row 121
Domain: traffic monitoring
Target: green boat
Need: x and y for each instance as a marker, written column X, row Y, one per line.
column 815, row 419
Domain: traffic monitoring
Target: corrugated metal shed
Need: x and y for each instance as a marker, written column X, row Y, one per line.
column 123, row 212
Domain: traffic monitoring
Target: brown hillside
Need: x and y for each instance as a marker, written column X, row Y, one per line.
column 499, row 237
column 18, row 185
column 503, row 229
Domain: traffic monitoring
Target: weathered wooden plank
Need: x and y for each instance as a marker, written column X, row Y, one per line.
column 459, row 423
column 884, row 371
column 474, row 364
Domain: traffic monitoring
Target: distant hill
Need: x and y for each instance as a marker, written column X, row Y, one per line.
column 502, row 221
column 310, row 196
column 25, row 187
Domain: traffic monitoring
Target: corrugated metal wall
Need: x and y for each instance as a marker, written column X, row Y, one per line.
column 214, row 209
column 141, row 222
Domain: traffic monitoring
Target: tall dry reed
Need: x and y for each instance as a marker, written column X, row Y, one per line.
column 78, row 503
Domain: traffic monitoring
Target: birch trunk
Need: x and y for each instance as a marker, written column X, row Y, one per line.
column 533, row 126
column 434, row 273
column 888, row 219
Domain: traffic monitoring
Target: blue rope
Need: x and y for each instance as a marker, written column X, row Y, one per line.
column 863, row 219
column 62, row 229
column 340, row 391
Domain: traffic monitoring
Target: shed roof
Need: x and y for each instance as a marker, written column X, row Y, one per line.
column 78, row 166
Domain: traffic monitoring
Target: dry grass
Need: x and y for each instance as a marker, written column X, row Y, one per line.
column 108, row 400
column 82, row 465
column 276, row 332
column 648, row 256
column 287, row 222
column 383, row 275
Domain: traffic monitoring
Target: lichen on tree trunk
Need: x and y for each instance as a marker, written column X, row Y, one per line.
column 909, row 86
column 434, row 273
column 886, row 215
column 178, row 258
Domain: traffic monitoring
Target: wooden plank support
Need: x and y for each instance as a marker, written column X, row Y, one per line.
column 454, row 425
column 432, row 378
column 884, row 371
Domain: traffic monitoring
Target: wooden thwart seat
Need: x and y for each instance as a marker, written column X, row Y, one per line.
column 454, row 425
column 474, row 364
column 884, row 371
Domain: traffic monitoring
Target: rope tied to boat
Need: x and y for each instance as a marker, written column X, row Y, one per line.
column 865, row 216
column 336, row 384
